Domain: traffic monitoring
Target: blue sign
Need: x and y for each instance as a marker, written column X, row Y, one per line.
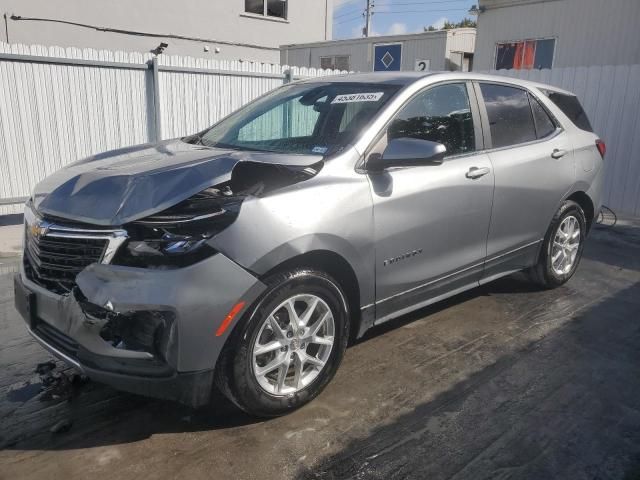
column 387, row 58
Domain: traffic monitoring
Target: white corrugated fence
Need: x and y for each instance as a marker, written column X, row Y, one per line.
column 58, row 105
column 611, row 97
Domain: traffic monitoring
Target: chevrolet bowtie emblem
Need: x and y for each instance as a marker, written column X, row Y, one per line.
column 38, row 230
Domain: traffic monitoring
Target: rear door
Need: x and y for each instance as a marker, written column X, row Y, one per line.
column 431, row 221
column 534, row 168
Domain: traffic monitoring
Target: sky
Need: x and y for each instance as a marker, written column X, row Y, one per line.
column 394, row 17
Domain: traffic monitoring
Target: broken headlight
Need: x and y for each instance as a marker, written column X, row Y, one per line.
column 178, row 236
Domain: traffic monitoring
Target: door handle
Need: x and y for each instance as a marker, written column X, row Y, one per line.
column 558, row 153
column 475, row 172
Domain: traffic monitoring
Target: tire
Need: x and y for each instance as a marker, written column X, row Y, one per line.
column 549, row 273
column 239, row 367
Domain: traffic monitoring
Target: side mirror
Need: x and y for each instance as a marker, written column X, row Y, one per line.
column 407, row 152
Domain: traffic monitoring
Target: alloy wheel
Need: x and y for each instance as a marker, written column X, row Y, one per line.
column 293, row 345
column 566, row 243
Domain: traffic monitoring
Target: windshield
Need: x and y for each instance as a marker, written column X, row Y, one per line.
column 307, row 118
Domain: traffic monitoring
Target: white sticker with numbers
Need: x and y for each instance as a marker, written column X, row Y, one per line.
column 358, row 97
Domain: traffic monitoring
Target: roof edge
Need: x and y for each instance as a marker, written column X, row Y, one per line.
column 382, row 38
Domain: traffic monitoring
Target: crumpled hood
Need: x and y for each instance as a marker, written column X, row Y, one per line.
column 117, row 187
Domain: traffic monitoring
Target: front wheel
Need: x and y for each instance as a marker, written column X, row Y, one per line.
column 289, row 348
column 562, row 248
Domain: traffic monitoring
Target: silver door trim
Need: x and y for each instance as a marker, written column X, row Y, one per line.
column 457, row 272
column 413, row 289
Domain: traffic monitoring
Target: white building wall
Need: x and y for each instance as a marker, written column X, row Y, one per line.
column 587, row 32
column 434, row 46
column 221, row 20
column 460, row 41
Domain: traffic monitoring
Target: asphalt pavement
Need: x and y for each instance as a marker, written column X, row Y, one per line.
column 506, row 381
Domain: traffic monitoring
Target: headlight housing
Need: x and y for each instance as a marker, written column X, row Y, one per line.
column 177, row 237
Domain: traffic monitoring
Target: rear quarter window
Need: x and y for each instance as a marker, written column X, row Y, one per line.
column 570, row 106
column 544, row 124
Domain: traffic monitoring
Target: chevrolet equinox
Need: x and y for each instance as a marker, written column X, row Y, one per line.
column 247, row 255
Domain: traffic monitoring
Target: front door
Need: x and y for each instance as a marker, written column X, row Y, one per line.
column 431, row 222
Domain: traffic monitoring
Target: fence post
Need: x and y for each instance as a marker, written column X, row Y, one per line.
column 157, row 117
column 288, row 76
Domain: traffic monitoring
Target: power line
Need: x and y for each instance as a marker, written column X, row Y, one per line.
column 427, row 2
column 347, row 13
column 348, row 1
column 347, row 20
column 423, row 11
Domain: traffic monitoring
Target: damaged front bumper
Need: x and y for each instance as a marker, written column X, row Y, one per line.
column 147, row 331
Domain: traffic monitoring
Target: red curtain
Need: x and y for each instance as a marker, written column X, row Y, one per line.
column 529, row 54
column 517, row 59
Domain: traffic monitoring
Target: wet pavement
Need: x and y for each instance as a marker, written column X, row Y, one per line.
column 503, row 382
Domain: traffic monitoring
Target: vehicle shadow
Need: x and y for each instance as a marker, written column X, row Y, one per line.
column 91, row 412
column 579, row 419
column 620, row 245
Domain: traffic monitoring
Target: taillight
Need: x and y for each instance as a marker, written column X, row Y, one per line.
column 602, row 148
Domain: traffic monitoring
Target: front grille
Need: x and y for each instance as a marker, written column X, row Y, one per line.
column 54, row 261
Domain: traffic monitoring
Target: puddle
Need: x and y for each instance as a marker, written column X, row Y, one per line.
column 25, row 393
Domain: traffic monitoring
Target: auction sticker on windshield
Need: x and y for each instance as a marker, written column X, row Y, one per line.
column 358, row 97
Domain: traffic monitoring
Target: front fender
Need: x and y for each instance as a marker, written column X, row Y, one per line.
column 331, row 213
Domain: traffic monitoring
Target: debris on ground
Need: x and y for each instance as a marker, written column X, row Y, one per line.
column 58, row 385
column 45, row 367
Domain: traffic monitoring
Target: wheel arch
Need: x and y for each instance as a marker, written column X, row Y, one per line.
column 338, row 268
column 585, row 202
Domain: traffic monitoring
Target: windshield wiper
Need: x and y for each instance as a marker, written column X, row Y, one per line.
column 193, row 139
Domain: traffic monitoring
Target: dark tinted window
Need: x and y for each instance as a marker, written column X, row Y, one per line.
column 441, row 114
column 544, row 124
column 505, row 55
column 509, row 114
column 254, row 6
column 277, row 8
column 570, row 106
column 273, row 8
column 544, row 53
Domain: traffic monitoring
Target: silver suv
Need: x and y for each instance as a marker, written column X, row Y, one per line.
column 246, row 256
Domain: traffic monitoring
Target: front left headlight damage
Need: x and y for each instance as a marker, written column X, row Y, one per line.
column 177, row 237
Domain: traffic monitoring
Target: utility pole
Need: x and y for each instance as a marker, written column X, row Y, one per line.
column 368, row 14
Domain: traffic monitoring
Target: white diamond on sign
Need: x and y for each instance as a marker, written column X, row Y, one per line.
column 387, row 59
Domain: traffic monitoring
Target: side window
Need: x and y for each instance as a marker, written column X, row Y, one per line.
column 510, row 118
column 525, row 54
column 544, row 124
column 441, row 114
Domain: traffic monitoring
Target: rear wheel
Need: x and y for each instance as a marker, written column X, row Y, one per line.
column 562, row 248
column 289, row 348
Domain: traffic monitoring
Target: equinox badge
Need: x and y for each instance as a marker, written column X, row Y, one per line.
column 404, row 256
